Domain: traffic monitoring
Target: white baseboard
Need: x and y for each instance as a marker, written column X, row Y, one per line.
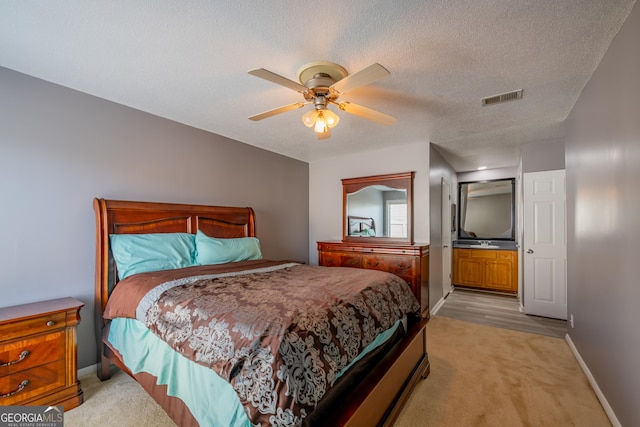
column 437, row 306
column 603, row 400
column 89, row 370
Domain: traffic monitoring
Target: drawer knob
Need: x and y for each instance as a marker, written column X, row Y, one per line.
column 22, row 385
column 22, row 356
column 51, row 323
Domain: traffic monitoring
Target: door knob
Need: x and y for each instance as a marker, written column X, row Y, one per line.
column 445, row 246
column 529, row 251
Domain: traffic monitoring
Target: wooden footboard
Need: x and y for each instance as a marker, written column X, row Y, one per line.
column 379, row 399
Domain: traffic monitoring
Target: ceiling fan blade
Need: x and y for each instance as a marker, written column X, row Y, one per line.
column 278, row 79
column 279, row 110
column 367, row 113
column 361, row 78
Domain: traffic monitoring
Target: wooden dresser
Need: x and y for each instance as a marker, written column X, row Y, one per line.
column 38, row 354
column 410, row 262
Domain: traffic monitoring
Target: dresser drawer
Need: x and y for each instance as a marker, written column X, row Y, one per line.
column 338, row 247
column 336, row 259
column 39, row 380
column 404, row 267
column 32, row 326
column 23, row 354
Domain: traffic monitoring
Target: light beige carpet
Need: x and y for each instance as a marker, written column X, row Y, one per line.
column 487, row 376
column 480, row 376
column 117, row 402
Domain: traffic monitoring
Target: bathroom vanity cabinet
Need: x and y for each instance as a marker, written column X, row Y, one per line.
column 489, row 269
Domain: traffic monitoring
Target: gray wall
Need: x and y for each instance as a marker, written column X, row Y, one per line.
column 60, row 148
column 603, row 206
column 542, row 156
column 438, row 168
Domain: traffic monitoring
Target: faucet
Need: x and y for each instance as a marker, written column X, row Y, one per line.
column 485, row 242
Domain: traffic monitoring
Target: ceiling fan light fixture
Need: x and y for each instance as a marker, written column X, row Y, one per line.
column 330, row 117
column 320, row 126
column 320, row 120
column 309, row 118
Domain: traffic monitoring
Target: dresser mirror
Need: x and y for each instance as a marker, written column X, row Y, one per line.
column 487, row 210
column 378, row 208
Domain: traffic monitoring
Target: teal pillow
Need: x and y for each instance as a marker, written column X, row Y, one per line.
column 210, row 250
column 139, row 253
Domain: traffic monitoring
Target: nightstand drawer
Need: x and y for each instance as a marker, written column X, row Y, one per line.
column 38, row 349
column 24, row 385
column 32, row 326
column 23, row 354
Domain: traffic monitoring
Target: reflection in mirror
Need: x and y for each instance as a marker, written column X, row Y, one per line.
column 487, row 210
column 377, row 204
column 378, row 208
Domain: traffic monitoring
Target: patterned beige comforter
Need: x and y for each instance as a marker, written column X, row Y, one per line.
column 278, row 332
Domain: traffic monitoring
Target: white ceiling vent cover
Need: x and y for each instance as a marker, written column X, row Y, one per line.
column 503, row 97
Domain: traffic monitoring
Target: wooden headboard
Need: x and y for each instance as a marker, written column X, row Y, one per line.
column 128, row 217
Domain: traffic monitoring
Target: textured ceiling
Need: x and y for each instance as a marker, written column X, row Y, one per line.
column 188, row 61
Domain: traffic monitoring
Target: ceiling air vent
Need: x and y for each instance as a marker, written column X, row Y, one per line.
column 503, row 97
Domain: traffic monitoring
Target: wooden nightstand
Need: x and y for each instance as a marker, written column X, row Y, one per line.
column 38, row 354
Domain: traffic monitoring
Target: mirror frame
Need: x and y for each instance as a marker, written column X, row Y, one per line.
column 513, row 210
column 401, row 181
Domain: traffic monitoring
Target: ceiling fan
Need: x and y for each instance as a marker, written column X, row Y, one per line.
column 321, row 84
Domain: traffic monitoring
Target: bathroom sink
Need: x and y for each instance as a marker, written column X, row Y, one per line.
column 484, row 246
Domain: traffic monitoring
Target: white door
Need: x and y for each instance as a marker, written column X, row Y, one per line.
column 544, row 246
column 446, row 238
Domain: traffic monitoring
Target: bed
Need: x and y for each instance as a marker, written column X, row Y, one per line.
column 368, row 391
column 361, row 226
